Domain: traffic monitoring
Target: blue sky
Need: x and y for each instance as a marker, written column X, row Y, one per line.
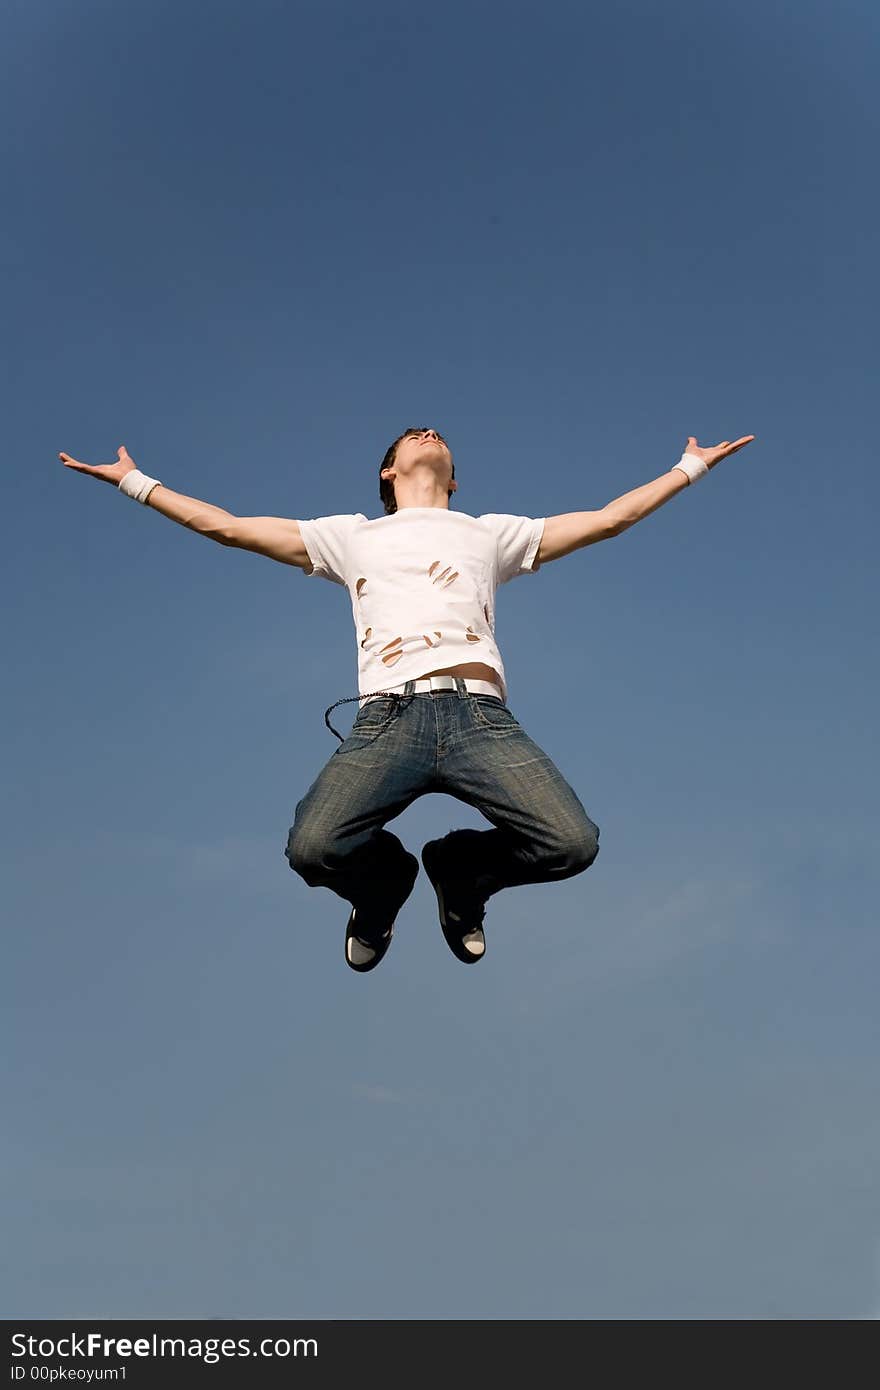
column 253, row 243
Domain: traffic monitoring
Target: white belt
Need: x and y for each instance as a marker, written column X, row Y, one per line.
column 427, row 683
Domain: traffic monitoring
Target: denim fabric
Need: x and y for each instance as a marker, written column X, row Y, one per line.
column 467, row 745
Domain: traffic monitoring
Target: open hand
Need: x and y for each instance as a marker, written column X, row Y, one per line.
column 107, row 472
column 714, row 454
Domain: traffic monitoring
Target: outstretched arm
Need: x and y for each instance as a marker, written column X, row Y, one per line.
column 274, row 536
column 574, row 530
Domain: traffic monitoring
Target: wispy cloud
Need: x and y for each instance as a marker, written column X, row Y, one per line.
column 600, row 939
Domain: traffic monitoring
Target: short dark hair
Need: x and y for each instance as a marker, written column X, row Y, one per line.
column 386, row 486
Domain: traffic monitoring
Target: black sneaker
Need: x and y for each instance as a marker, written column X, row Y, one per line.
column 461, row 914
column 367, row 937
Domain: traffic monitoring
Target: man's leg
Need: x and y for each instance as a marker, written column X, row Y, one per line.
column 542, row 831
column 337, row 840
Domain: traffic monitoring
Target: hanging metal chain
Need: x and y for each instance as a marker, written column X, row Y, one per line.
column 396, row 694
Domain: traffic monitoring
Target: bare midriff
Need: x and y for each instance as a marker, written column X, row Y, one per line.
column 471, row 670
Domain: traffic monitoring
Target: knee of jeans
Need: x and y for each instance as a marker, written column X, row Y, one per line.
column 581, row 848
column 305, row 852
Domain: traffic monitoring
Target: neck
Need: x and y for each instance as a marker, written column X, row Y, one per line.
column 416, row 497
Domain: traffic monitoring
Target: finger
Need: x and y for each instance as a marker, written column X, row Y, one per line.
column 741, row 443
column 75, row 463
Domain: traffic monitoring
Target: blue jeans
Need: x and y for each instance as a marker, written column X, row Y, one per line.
column 467, row 745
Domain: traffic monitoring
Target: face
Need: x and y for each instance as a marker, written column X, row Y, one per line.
column 421, row 447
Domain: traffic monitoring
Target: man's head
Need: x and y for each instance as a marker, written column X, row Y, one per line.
column 419, row 456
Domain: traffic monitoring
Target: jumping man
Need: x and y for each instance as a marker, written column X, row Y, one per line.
column 433, row 713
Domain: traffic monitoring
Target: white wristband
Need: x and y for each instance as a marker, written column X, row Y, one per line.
column 137, row 485
column 693, row 466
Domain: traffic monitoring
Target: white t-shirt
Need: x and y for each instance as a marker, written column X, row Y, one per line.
column 422, row 585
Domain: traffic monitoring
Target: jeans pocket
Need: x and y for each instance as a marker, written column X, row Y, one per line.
column 489, row 712
column 372, row 720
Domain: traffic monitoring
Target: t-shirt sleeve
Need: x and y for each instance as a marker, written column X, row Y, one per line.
column 517, row 539
column 326, row 541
